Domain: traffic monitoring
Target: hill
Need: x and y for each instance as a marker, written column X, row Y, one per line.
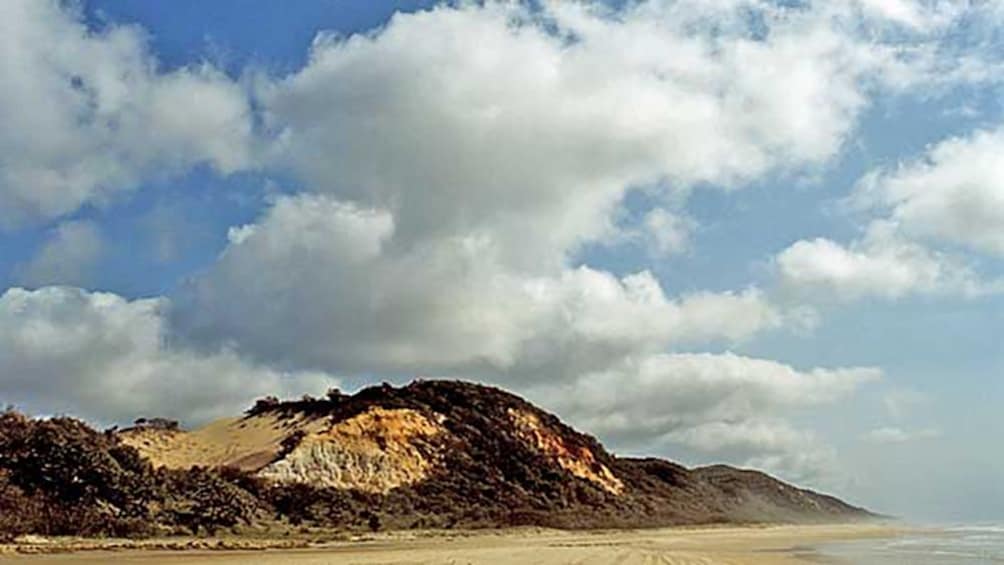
column 432, row 454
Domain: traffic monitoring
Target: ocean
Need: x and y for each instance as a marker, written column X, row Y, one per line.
column 955, row 545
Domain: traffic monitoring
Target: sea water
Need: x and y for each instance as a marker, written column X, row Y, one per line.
column 956, row 545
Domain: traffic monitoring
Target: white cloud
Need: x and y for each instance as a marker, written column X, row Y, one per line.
column 734, row 316
column 898, row 435
column 86, row 113
column 462, row 155
column 881, row 264
column 667, row 233
column 954, row 194
column 901, row 11
column 724, row 406
column 317, row 282
column 99, row 356
column 492, row 122
column 68, row 256
column 653, row 395
column 770, row 444
column 748, row 437
column 916, row 15
column 526, row 108
column 923, row 212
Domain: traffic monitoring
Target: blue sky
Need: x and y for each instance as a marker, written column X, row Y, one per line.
column 737, row 231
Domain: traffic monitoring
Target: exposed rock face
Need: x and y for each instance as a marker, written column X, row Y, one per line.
column 375, row 451
column 459, row 453
column 579, row 461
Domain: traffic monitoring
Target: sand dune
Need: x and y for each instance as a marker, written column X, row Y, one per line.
column 782, row 545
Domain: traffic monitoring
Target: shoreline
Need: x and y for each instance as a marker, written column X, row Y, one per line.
column 727, row 544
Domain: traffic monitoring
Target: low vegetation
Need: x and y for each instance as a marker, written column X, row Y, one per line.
column 60, row 477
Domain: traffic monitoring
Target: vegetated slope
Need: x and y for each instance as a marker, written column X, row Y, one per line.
column 450, row 453
column 61, row 477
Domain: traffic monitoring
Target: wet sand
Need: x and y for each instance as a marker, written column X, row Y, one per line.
column 778, row 545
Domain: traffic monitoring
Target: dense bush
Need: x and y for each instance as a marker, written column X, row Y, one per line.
column 19, row 513
column 204, row 500
column 60, row 477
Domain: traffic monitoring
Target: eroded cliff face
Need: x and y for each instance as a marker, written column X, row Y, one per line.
column 577, row 460
column 375, row 451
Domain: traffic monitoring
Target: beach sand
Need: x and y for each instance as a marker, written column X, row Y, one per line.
column 775, row 545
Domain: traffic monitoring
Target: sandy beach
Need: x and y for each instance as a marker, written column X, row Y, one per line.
column 775, row 545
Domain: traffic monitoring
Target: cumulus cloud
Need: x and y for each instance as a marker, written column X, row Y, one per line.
column 913, row 14
column 954, row 194
column 725, row 406
column 102, row 357
column 460, row 156
column 67, row 258
column 330, row 290
column 515, row 126
column 925, row 216
column 881, row 264
column 647, row 397
column 88, row 113
column 771, row 444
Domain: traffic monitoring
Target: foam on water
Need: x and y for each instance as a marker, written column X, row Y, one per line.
column 956, row 545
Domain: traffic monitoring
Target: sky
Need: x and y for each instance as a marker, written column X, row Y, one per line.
column 762, row 232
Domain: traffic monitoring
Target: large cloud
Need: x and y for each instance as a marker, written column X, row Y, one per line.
column 87, row 113
column 513, row 126
column 461, row 157
column 317, row 282
column 882, row 264
column 99, row 356
column 928, row 219
column 955, row 193
column 724, row 406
